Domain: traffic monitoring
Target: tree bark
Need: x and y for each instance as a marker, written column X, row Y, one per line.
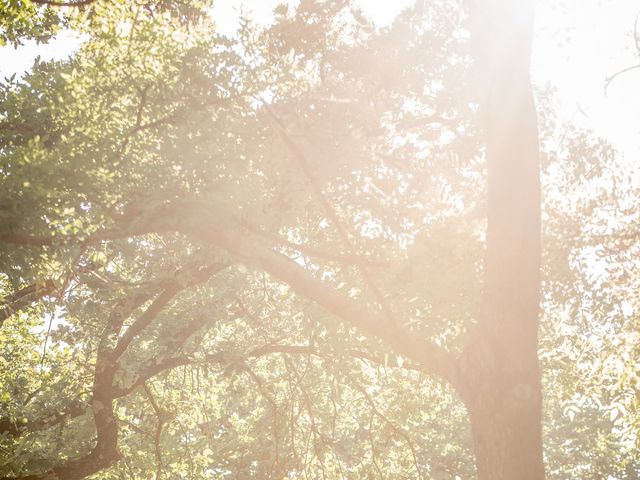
column 500, row 375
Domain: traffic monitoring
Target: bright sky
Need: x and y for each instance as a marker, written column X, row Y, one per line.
column 579, row 44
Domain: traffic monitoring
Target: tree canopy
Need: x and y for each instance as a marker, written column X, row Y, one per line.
column 265, row 255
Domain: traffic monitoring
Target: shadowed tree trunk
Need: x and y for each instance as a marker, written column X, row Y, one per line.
column 500, row 371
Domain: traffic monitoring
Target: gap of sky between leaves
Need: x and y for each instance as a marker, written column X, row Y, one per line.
column 579, row 43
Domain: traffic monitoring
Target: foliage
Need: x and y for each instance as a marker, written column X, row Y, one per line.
column 147, row 181
column 25, row 20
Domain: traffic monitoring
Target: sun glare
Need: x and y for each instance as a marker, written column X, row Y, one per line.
column 319, row 239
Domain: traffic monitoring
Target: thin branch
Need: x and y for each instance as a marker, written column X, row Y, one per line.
column 156, row 366
column 145, row 319
column 173, row 116
column 274, row 407
column 427, row 355
column 617, row 74
column 24, row 297
column 158, row 433
column 26, row 240
column 306, row 250
column 74, row 409
column 636, row 33
column 396, row 429
column 301, row 159
column 213, row 224
column 159, row 303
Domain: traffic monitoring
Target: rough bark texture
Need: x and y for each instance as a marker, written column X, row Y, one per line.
column 500, row 372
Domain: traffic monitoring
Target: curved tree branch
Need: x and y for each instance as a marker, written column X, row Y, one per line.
column 213, row 225
column 24, row 297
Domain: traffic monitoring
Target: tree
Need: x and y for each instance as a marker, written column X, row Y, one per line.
column 265, row 256
column 502, row 385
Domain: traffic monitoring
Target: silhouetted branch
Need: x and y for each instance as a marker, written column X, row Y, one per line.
column 428, row 356
column 24, row 297
column 160, row 424
column 301, row 159
column 617, row 74
column 396, row 429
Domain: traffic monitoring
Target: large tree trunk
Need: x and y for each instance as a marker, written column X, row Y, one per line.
column 501, row 376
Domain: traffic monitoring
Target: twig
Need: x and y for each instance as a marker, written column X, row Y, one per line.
column 156, row 439
column 329, row 211
column 615, row 75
